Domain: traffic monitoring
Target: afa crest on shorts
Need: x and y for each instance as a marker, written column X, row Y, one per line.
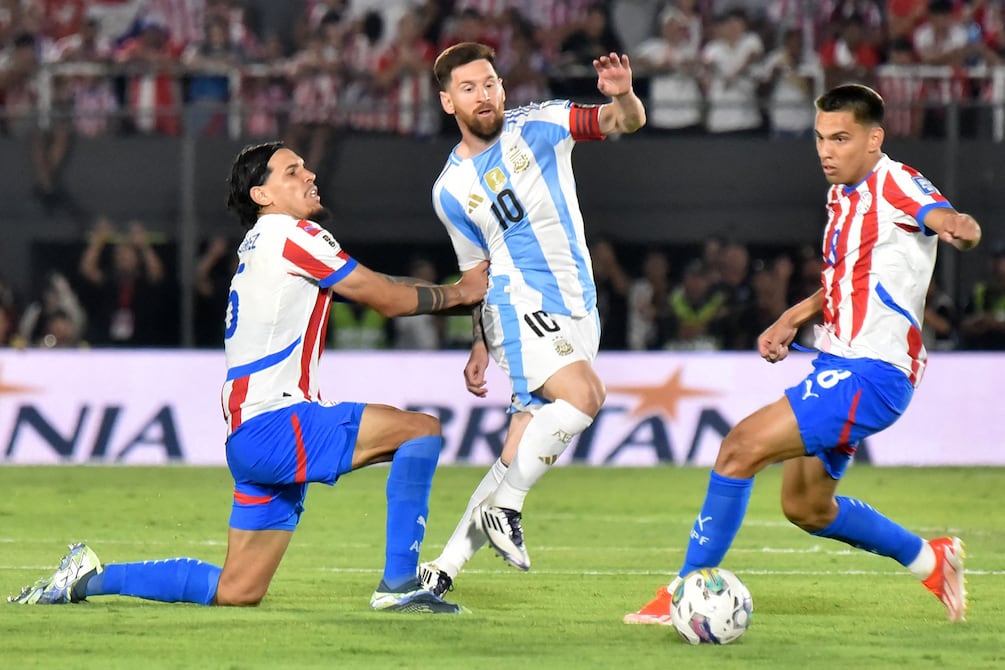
column 562, row 346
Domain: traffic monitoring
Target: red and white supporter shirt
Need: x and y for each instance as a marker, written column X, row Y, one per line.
column 878, row 261
column 277, row 315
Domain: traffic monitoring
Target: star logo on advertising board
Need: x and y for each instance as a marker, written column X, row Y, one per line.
column 14, row 388
column 661, row 398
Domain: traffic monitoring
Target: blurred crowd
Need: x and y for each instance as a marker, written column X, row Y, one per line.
column 307, row 70
column 717, row 297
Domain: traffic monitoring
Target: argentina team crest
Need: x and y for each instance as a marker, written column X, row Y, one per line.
column 562, row 346
column 517, row 159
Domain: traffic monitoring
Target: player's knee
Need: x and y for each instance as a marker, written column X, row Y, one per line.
column 740, row 455
column 588, row 397
column 806, row 514
column 424, row 425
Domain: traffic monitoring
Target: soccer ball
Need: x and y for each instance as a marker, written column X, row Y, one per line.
column 711, row 606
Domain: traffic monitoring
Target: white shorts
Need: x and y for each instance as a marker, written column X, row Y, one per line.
column 532, row 345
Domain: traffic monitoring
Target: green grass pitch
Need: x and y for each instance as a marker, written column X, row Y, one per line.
column 601, row 540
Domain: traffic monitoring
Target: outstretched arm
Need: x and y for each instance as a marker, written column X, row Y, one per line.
column 625, row 113
column 960, row 230
column 402, row 296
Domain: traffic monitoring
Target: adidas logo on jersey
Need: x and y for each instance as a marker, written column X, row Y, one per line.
column 473, row 201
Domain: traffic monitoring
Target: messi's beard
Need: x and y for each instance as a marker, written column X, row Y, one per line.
column 486, row 131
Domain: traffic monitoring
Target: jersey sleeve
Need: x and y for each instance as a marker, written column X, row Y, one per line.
column 582, row 121
column 314, row 254
column 910, row 192
column 468, row 241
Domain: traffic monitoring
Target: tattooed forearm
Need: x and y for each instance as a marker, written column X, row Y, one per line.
column 432, row 298
column 477, row 331
column 408, row 281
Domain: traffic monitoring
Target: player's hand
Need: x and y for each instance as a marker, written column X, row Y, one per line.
column 474, row 283
column 773, row 344
column 614, row 75
column 961, row 231
column 474, row 371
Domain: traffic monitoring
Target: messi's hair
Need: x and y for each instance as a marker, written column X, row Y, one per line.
column 458, row 55
column 250, row 169
column 865, row 104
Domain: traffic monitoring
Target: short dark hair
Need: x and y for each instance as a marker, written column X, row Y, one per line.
column 250, row 169
column 865, row 104
column 458, row 55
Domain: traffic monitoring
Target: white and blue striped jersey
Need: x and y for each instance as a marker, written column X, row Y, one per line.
column 515, row 205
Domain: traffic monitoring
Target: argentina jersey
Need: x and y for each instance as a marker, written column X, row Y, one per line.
column 515, row 204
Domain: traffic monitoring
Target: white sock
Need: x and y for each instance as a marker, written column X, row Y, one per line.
column 547, row 435
column 923, row 565
column 466, row 540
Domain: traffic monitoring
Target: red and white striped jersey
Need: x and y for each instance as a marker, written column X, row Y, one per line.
column 878, row 260
column 277, row 315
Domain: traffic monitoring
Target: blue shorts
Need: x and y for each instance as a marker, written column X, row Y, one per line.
column 275, row 455
column 843, row 401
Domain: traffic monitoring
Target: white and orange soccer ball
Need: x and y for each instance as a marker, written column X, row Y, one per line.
column 711, row 606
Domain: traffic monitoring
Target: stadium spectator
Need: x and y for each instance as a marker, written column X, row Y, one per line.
column 730, row 87
column 421, row 332
column 540, row 320
column 612, row 282
column 738, row 297
column 55, row 318
column 209, row 62
column 468, row 25
column 849, row 57
column 576, row 53
column 360, row 59
column 8, row 328
column 788, row 78
column 670, row 62
column 904, row 16
column 19, row 92
column 555, row 20
column 403, row 81
column 903, row 90
column 265, row 90
column 649, row 304
column 213, row 271
column 523, row 65
column 983, row 325
column 940, row 329
column 868, row 364
column 316, row 87
column 153, row 93
column 359, row 327
column 694, row 20
column 769, row 286
column 281, row 436
column 86, row 84
column 124, row 290
column 944, row 40
column 696, row 308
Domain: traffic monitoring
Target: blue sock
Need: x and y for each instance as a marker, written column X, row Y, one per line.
column 862, row 527
column 174, row 580
column 408, row 486
column 717, row 524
